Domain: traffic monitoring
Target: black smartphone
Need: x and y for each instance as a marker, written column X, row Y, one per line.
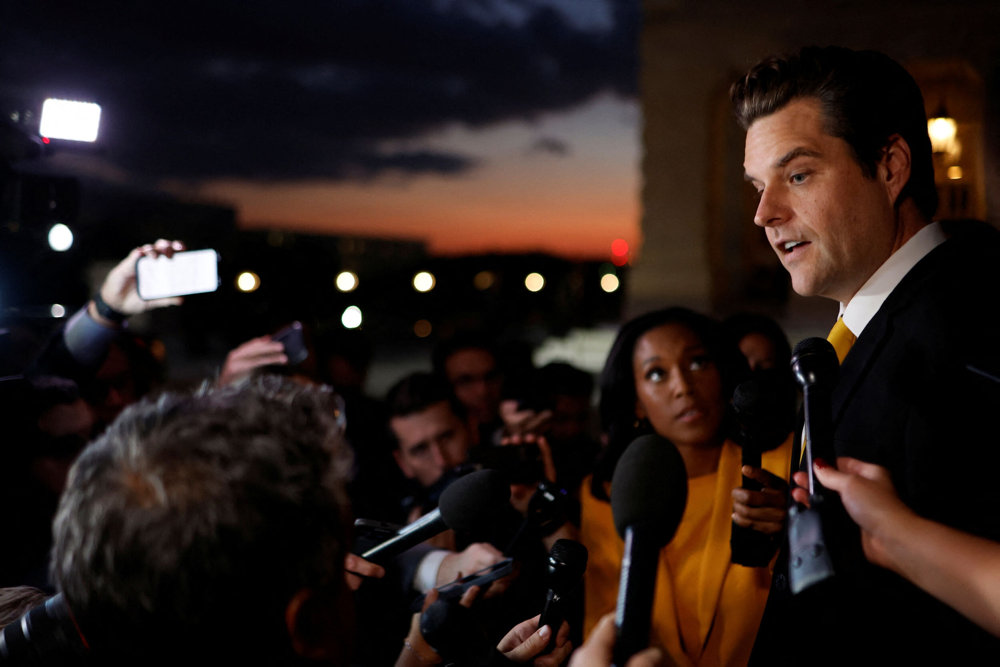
column 294, row 341
column 483, row 578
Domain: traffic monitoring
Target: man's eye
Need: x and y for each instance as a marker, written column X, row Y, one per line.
column 799, row 178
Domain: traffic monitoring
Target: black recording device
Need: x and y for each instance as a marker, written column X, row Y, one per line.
column 567, row 564
column 763, row 414
column 45, row 635
column 293, row 340
column 816, row 369
column 456, row 589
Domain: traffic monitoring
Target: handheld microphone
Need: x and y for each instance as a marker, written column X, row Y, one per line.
column 567, row 563
column 648, row 497
column 456, row 633
column 764, row 415
column 816, row 369
column 467, row 502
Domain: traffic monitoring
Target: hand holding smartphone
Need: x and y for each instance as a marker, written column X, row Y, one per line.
column 187, row 272
column 295, row 345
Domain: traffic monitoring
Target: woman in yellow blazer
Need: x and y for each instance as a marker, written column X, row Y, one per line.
column 672, row 372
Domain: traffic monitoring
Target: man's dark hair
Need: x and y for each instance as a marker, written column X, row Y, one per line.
column 189, row 525
column 417, row 392
column 866, row 97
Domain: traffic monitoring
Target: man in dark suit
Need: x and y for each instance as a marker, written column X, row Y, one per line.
column 837, row 149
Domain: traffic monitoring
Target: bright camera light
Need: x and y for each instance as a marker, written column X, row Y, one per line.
column 424, row 281
column 60, row 237
column 351, row 318
column 57, row 310
column 534, row 282
column 65, row 119
column 247, row 281
column 347, row 281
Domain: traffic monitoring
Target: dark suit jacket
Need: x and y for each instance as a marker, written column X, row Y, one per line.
column 913, row 396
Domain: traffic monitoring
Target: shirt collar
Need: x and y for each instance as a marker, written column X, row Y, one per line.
column 863, row 306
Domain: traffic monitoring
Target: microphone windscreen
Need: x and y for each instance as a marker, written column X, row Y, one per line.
column 764, row 410
column 472, row 498
column 649, row 488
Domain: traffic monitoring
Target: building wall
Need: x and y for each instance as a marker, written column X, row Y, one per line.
column 700, row 247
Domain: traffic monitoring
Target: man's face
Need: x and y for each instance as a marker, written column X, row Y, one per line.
column 830, row 226
column 475, row 379
column 431, row 442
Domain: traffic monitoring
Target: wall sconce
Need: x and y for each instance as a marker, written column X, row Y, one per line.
column 943, row 131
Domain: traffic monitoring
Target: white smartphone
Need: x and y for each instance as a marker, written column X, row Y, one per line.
column 188, row 272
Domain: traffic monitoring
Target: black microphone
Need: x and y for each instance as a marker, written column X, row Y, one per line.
column 567, row 563
column 648, row 497
column 466, row 503
column 763, row 411
column 456, row 633
column 816, row 370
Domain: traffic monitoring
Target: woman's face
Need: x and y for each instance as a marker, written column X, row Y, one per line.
column 678, row 386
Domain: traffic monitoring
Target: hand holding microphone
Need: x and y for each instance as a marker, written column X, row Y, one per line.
column 763, row 417
column 467, row 503
column 816, row 369
column 648, row 497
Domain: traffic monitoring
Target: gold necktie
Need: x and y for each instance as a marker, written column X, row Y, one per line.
column 841, row 338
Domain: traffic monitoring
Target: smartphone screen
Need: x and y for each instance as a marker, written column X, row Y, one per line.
column 189, row 272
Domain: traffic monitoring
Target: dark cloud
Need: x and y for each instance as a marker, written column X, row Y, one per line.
column 303, row 88
column 550, row 145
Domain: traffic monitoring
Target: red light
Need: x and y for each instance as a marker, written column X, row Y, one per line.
column 619, row 261
column 619, row 248
column 45, row 140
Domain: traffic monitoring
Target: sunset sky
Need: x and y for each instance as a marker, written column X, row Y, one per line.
column 476, row 125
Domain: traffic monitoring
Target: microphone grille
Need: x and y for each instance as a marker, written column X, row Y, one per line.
column 649, row 488
column 473, row 498
column 571, row 554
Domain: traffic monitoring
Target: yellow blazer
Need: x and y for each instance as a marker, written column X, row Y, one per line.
column 706, row 610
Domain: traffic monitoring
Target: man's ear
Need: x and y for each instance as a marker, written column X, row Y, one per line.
column 321, row 625
column 894, row 167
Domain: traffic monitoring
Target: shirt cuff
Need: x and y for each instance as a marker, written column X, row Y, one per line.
column 426, row 576
column 86, row 339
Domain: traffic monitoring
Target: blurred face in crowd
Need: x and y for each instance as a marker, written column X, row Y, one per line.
column 759, row 351
column 65, row 429
column 476, row 381
column 678, row 386
column 431, row 442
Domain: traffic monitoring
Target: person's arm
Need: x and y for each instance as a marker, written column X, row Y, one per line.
column 83, row 343
column 959, row 569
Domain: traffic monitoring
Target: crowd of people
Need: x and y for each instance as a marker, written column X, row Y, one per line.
column 231, row 520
